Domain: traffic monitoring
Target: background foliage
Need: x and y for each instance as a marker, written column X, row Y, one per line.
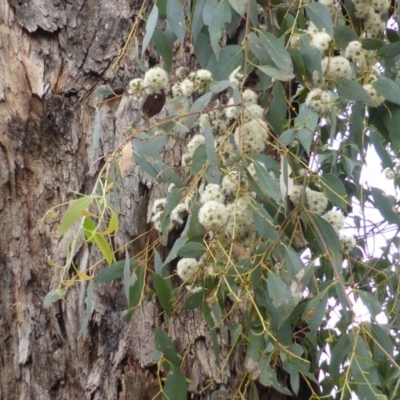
column 273, row 261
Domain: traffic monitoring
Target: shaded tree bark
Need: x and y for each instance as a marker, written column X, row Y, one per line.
column 52, row 57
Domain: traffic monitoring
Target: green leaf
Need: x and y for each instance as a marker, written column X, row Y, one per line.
column 105, row 90
column 221, row 15
column 267, row 183
column 217, row 87
column 163, row 48
column 334, row 190
column 199, row 105
column 98, row 239
column 163, row 293
column 264, row 222
column 371, row 44
column 344, row 35
column 73, row 213
column 114, row 271
column 136, row 291
column 386, row 206
column 352, row 90
column 89, row 309
column 277, row 111
column 175, row 387
column 388, row 89
column 176, row 19
column 213, row 332
column 311, row 56
column 320, row 17
column 230, row 57
column 127, row 275
column 305, row 137
column 199, row 160
column 239, row 6
column 96, row 134
column 178, row 243
column 193, row 301
column 209, row 142
column 53, row 296
column 276, row 73
column 165, row 345
column 150, row 27
column 389, row 50
column 371, row 302
column 197, row 19
column 192, row 250
column 307, row 119
column 258, row 49
column 316, row 310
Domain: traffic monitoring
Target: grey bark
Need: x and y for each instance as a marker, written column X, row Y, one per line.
column 52, row 57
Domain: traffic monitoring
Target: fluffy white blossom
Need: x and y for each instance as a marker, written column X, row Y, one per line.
column 296, row 195
column 336, row 68
column 187, row 267
column 236, row 77
column 335, row 218
column 321, row 41
column 232, row 112
column 179, row 212
column 212, row 192
column 187, row 159
column 294, row 42
column 380, row 6
column 312, row 29
column 354, row 51
column 252, row 137
column 319, row 100
column 253, row 111
column 159, row 205
column 348, row 243
column 203, row 77
column 330, row 5
column 156, row 220
column 195, row 142
column 249, row 97
column 176, row 89
column 213, row 215
column 155, row 79
column 317, row 201
column 389, row 173
column 241, row 223
column 187, row 87
column 375, row 96
column 230, row 183
column 373, row 24
column 171, row 187
column 134, row 88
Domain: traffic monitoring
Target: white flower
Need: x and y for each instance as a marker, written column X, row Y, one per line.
column 253, row 111
column 336, row 67
column 187, row 159
column 319, row 100
column 294, row 42
column 171, row 187
column 178, row 213
column 212, row 192
column 252, row 136
column 156, row 219
column 321, row 41
column 204, row 77
column 195, row 142
column 348, row 243
column 373, row 24
column 317, row 201
column 187, row 267
column 335, row 218
column 312, row 29
column 377, row 99
column 213, row 215
column 236, row 77
column 296, row 195
column 159, row 205
column 155, row 79
column 176, row 89
column 232, row 112
column 134, row 87
column 249, row 97
column 194, row 290
column 381, row 6
column 389, row 173
column 330, row 5
column 241, row 223
column 187, row 87
column 230, row 183
column 354, row 51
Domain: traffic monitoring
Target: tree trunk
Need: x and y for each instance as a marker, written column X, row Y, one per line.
column 52, row 56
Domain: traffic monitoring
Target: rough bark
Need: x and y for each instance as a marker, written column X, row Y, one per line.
column 52, row 57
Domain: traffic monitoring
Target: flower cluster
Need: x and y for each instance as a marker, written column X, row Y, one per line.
column 370, row 11
column 335, row 218
column 317, row 201
column 193, row 82
column 155, row 80
column 319, row 100
column 187, row 267
column 348, row 243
